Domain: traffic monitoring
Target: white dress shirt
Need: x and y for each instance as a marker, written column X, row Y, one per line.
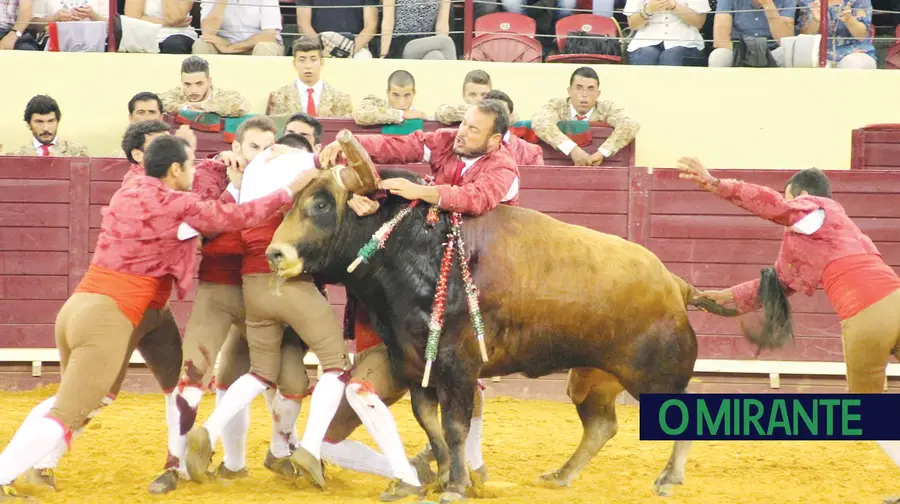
column 303, row 90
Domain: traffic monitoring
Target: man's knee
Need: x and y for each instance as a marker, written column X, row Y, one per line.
column 857, row 61
column 721, row 58
column 203, row 47
column 268, row 49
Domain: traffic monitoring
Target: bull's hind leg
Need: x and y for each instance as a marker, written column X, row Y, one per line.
column 425, row 408
column 594, row 394
column 456, row 394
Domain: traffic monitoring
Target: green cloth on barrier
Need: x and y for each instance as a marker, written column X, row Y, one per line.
column 405, row 128
column 231, row 125
column 200, row 121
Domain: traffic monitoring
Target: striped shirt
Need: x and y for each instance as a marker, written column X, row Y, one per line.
column 8, row 13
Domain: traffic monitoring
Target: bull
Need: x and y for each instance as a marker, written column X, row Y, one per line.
column 553, row 297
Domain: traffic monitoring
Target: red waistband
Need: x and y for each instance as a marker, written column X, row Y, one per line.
column 224, row 269
column 854, row 283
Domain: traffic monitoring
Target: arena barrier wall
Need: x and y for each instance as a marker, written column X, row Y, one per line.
column 50, row 215
column 875, row 147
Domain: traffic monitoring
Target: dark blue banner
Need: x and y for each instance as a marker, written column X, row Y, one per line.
column 770, row 417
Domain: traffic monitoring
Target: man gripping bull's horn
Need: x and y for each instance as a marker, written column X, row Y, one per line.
column 474, row 173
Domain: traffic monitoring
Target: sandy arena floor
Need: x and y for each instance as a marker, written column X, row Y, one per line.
column 121, row 451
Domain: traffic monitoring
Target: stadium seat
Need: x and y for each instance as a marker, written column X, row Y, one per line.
column 589, row 23
column 506, row 47
column 500, row 22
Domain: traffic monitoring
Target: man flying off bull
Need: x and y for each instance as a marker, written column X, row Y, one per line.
column 821, row 245
column 474, row 172
column 142, row 241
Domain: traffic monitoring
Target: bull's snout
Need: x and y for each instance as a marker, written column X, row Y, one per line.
column 283, row 260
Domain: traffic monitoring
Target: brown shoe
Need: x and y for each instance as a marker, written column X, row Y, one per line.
column 281, row 466
column 478, row 476
column 165, row 482
column 43, row 478
column 309, row 465
column 226, row 473
column 198, row 455
column 422, row 465
column 398, row 489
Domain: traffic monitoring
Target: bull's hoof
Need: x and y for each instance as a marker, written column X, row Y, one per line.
column 664, row 484
column 40, row 478
column 447, row 497
column 399, row 489
column 166, row 482
column 554, row 479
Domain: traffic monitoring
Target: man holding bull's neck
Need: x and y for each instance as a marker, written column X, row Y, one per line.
column 474, row 172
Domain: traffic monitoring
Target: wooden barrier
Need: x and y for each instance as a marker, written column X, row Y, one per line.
column 875, row 147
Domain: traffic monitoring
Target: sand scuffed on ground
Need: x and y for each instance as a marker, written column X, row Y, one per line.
column 123, row 449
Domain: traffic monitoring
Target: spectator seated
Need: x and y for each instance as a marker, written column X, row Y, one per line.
column 876, row 147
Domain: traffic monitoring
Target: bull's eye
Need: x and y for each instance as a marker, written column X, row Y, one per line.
column 321, row 206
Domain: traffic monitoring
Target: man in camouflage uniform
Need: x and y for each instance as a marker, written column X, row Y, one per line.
column 197, row 93
column 309, row 93
column 583, row 105
column 401, row 91
column 476, row 84
column 42, row 115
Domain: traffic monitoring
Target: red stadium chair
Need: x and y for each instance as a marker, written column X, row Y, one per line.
column 500, row 22
column 507, row 48
column 589, row 23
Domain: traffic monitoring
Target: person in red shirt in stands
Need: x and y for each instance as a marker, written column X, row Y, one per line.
column 474, row 173
column 821, row 245
column 141, row 243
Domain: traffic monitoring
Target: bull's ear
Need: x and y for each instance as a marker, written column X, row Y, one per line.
column 360, row 176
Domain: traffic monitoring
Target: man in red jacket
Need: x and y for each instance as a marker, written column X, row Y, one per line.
column 139, row 246
column 821, row 245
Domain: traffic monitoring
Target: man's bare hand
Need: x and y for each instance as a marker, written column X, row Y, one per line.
column 579, row 157
column 413, row 114
column 401, row 187
column 9, row 41
column 691, row 169
column 184, row 131
column 329, row 154
column 722, row 297
column 362, row 205
column 302, row 180
column 597, row 159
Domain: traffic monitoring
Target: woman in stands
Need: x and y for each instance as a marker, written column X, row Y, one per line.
column 406, row 25
column 667, row 32
column 175, row 35
column 850, row 31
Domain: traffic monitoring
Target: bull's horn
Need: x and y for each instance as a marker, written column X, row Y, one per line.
column 359, row 176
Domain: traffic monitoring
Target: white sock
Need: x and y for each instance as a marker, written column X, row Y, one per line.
column 284, row 424
column 236, row 398
column 34, row 415
column 269, row 395
column 383, row 429
column 356, row 456
column 234, row 437
column 52, row 459
column 322, row 406
column 177, row 442
column 33, row 441
column 473, row 440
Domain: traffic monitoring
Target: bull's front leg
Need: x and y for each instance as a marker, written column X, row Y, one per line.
column 456, row 394
column 425, row 408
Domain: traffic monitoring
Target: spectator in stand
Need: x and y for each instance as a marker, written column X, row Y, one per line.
column 345, row 31
column 49, row 11
column 309, row 93
column 308, row 127
column 42, row 115
column 772, row 19
column 401, row 91
column 849, row 30
column 197, row 93
column 240, row 27
column 406, row 27
column 526, row 153
column 144, row 106
column 583, row 105
column 476, row 84
column 176, row 35
column 667, row 32
column 15, row 16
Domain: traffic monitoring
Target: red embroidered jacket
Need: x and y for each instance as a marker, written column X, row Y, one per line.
column 802, row 258
column 482, row 187
column 210, row 179
column 525, row 153
column 139, row 231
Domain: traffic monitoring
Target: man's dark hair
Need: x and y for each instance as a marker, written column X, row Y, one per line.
column 496, row 94
column 41, row 104
column 296, row 141
column 477, row 77
column 401, row 78
column 586, row 72
column 163, row 152
column 195, row 64
column 307, row 44
column 136, row 135
column 318, row 129
column 144, row 96
column 812, row 180
column 497, row 109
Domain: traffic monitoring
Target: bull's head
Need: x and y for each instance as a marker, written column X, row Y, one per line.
column 305, row 238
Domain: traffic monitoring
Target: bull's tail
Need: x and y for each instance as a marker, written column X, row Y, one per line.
column 689, row 294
